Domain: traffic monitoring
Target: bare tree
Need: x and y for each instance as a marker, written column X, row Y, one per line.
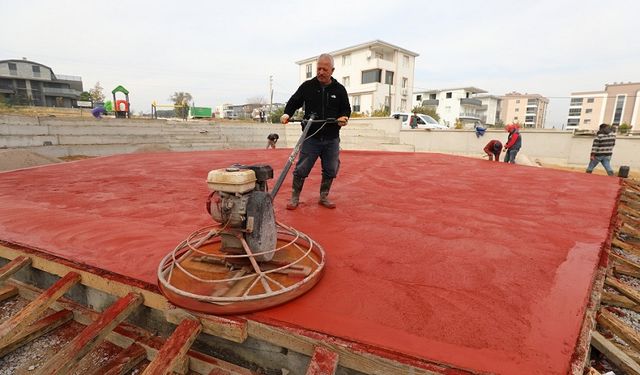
column 96, row 93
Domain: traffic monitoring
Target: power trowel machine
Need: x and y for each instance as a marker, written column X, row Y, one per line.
column 248, row 260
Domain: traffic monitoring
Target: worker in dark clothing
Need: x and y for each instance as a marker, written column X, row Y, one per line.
column 514, row 142
column 493, row 149
column 602, row 149
column 328, row 99
column 97, row 112
column 272, row 139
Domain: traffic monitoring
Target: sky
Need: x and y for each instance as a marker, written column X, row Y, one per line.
column 225, row 51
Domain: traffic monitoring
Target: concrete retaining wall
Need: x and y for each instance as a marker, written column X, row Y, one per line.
column 58, row 137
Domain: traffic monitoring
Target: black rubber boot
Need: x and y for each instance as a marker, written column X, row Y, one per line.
column 325, row 186
column 297, row 185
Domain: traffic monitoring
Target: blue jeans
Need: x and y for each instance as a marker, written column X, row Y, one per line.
column 329, row 152
column 510, row 156
column 606, row 163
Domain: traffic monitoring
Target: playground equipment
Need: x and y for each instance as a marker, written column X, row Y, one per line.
column 121, row 107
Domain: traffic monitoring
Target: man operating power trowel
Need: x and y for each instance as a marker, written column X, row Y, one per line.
column 327, row 99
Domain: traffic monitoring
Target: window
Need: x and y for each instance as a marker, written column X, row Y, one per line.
column 529, row 119
column 379, row 55
column 432, row 96
column 515, row 118
column 13, row 69
column 531, row 110
column 418, row 97
column 448, row 95
column 590, row 100
column 517, row 109
column 575, row 111
column 36, row 70
column 532, row 101
column 346, row 81
column 370, row 76
column 309, row 70
column 467, row 95
column 517, row 101
column 356, row 103
column 587, row 121
column 346, row 59
column 405, row 60
column 588, row 110
column 576, row 101
column 573, row 122
column 388, row 77
column 617, row 114
column 405, row 82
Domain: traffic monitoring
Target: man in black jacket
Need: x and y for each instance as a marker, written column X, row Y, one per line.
column 328, row 99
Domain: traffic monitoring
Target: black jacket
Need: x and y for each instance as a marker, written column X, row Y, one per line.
column 332, row 101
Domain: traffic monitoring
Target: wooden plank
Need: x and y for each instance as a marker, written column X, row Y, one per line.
column 619, row 328
column 67, row 358
column 625, row 246
column 350, row 357
column 628, row 351
column 615, row 355
column 37, row 329
column 625, row 261
column 126, row 334
column 91, row 279
column 33, row 310
column 628, row 291
column 222, row 327
column 593, row 371
column 619, row 301
column 124, row 362
column 323, row 362
column 233, row 329
column 12, row 267
column 7, row 291
column 175, row 348
column 625, row 270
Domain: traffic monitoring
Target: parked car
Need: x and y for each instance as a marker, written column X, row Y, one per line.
column 423, row 121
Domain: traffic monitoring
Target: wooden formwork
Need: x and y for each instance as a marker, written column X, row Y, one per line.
column 615, row 338
column 48, row 311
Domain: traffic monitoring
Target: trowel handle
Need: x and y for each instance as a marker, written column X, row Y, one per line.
column 292, row 157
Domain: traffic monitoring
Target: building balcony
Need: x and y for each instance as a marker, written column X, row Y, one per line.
column 63, row 77
column 469, row 116
column 430, row 103
column 471, row 102
column 54, row 91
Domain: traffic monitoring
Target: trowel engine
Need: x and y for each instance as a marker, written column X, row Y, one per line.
column 240, row 201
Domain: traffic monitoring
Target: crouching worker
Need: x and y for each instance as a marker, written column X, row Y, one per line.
column 327, row 98
column 272, row 139
column 493, row 149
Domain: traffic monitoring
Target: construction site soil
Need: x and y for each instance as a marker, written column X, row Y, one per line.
column 482, row 266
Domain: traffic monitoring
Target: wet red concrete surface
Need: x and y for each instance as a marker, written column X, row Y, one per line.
column 480, row 265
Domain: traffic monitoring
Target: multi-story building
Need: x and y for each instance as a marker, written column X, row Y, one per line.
column 490, row 110
column 618, row 104
column 377, row 75
column 453, row 105
column 25, row 82
column 528, row 110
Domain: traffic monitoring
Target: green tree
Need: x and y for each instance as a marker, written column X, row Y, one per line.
column 624, row 128
column 381, row 112
column 276, row 114
column 96, row 93
column 181, row 100
column 426, row 111
column 85, row 96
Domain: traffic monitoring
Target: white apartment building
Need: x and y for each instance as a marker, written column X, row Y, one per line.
column 490, row 110
column 618, row 104
column 377, row 75
column 453, row 105
column 529, row 110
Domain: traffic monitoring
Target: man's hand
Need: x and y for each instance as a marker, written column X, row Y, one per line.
column 342, row 121
column 284, row 119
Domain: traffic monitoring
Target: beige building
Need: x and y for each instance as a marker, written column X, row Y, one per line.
column 618, row 104
column 528, row 110
column 377, row 75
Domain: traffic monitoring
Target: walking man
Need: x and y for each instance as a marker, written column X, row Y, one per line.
column 602, row 149
column 327, row 98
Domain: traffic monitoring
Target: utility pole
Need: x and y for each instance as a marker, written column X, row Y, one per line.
column 270, row 96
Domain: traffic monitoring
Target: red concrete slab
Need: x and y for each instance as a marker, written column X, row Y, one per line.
column 480, row 265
